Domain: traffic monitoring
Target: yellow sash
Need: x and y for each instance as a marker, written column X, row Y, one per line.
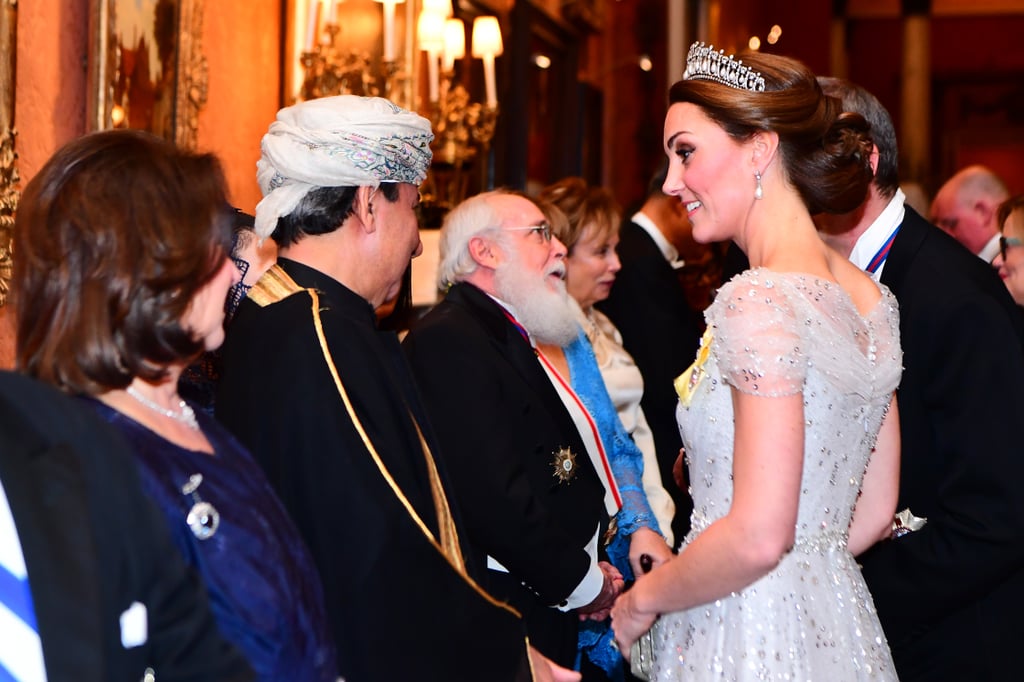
column 686, row 383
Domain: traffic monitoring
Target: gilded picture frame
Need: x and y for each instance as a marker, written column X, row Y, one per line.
column 147, row 69
column 9, row 179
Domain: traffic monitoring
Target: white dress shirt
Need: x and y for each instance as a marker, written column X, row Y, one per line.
column 989, row 252
column 878, row 233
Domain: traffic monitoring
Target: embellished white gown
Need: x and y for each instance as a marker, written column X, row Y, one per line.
column 812, row 617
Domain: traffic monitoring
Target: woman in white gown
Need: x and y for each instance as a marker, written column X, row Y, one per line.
column 788, row 415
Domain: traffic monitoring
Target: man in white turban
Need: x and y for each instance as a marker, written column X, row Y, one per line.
column 344, row 141
column 325, row 402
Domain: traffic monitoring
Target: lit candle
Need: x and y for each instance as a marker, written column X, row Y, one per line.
column 389, row 30
column 333, row 14
column 435, row 81
column 487, row 45
column 312, row 9
column 489, row 86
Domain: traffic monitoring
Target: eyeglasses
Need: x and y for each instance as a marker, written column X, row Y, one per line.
column 543, row 229
column 1006, row 242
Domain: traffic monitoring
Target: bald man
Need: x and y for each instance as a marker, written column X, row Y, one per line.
column 965, row 207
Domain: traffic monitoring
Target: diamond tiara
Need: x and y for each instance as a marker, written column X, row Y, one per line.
column 703, row 63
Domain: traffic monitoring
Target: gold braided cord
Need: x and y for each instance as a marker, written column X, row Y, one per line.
column 445, row 522
column 455, row 561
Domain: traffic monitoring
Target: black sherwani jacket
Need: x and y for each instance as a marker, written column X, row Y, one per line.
column 93, row 546
column 951, row 595
column 365, row 506
column 500, row 423
column 660, row 330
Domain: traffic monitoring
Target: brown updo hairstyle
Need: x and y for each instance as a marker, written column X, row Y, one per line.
column 825, row 153
column 113, row 239
column 584, row 206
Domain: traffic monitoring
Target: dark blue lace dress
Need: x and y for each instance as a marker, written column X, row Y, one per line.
column 264, row 589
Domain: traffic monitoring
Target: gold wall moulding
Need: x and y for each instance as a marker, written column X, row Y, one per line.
column 146, row 67
column 8, row 158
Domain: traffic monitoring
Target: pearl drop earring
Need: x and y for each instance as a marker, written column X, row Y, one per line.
column 758, row 191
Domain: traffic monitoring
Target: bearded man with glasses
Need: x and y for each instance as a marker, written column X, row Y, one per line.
column 534, row 503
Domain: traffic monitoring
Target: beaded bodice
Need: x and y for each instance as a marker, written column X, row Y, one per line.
column 773, row 334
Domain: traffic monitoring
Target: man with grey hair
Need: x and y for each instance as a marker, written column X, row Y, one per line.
column 325, row 402
column 965, row 207
column 949, row 586
column 536, row 506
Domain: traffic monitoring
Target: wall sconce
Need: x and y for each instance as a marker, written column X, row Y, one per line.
column 330, row 69
column 463, row 129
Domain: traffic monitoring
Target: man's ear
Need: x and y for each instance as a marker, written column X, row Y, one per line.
column 987, row 210
column 873, row 159
column 362, row 207
column 484, row 252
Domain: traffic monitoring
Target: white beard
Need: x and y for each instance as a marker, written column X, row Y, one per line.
column 544, row 312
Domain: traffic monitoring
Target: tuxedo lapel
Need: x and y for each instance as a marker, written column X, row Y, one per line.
column 636, row 243
column 509, row 342
column 47, row 497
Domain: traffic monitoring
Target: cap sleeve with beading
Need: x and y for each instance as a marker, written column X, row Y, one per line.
column 757, row 343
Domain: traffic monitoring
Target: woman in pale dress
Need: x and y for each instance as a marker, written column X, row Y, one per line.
column 788, row 416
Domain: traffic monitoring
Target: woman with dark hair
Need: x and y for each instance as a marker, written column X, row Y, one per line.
column 120, row 282
column 788, row 415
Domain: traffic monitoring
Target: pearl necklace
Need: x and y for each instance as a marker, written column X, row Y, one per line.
column 185, row 414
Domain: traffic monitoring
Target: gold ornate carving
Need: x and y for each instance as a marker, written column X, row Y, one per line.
column 8, row 203
column 193, row 74
column 8, row 157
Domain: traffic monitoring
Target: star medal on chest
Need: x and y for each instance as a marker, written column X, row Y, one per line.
column 564, row 464
column 203, row 518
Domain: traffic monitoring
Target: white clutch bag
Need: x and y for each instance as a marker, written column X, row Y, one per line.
column 641, row 655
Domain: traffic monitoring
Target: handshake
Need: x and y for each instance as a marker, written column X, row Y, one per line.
column 601, row 606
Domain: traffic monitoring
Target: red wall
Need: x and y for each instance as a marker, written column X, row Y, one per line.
column 977, row 88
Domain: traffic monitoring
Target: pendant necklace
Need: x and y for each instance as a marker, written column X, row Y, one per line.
column 203, row 518
column 185, row 414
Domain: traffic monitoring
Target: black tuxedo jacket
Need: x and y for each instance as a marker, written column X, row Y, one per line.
column 499, row 423
column 950, row 596
column 661, row 332
column 93, row 546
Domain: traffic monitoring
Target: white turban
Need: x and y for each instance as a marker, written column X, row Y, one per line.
column 343, row 141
